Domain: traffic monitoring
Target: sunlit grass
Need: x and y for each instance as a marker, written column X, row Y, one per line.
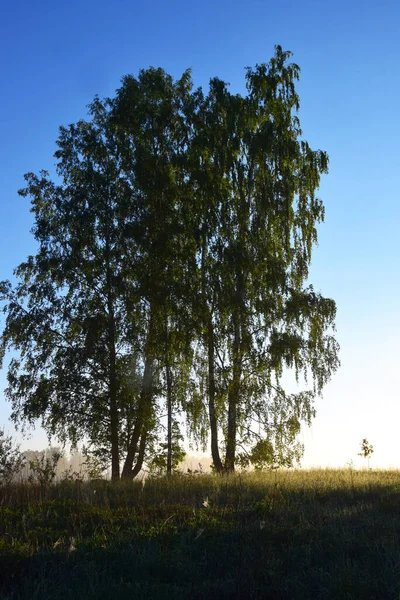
column 291, row 534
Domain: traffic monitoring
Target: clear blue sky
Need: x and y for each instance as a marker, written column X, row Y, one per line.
column 55, row 56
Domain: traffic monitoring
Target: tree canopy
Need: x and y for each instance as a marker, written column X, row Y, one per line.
column 170, row 282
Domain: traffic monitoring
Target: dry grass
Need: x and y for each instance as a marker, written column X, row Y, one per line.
column 290, row 535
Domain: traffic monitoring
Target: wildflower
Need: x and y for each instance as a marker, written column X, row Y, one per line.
column 206, row 503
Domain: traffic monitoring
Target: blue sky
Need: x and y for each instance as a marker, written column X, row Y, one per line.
column 55, row 56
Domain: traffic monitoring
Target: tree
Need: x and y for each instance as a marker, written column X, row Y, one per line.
column 167, row 455
column 150, row 114
column 89, row 309
column 171, row 275
column 367, row 450
column 68, row 314
column 256, row 181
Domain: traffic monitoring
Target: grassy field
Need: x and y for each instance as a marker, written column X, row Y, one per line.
column 290, row 535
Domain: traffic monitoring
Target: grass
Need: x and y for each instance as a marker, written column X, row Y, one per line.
column 323, row 534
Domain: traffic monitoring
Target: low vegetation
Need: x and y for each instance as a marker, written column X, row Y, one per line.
column 287, row 534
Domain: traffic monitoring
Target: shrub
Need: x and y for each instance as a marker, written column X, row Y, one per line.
column 11, row 459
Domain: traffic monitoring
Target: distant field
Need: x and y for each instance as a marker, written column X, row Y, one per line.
column 290, row 535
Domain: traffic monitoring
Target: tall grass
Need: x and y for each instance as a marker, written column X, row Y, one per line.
column 293, row 534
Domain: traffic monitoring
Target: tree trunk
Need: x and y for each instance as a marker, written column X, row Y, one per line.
column 113, row 383
column 219, row 467
column 139, row 462
column 238, row 313
column 169, row 397
column 143, row 410
column 114, row 421
column 233, row 401
column 234, row 388
column 169, row 419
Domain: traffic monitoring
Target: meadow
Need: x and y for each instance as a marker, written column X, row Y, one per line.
column 319, row 534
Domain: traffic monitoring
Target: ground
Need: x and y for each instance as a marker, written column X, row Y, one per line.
column 322, row 534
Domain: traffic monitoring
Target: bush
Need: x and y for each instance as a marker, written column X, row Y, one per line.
column 43, row 469
column 11, row 459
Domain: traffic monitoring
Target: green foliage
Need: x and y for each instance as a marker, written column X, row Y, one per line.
column 157, row 462
column 95, row 462
column 256, row 180
column 172, row 271
column 366, row 450
column 43, row 469
column 11, row 459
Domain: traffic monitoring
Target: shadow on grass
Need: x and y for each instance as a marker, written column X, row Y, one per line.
column 273, row 543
